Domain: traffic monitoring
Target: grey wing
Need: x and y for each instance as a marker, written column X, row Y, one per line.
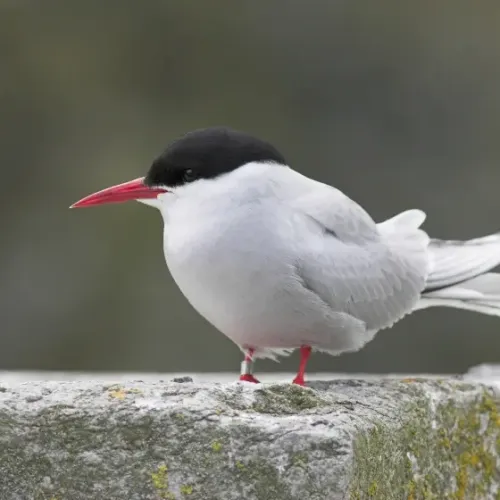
column 372, row 274
column 373, row 284
column 336, row 213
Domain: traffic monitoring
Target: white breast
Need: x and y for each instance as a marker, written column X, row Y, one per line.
column 230, row 265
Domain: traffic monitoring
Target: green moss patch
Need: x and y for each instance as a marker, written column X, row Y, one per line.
column 286, row 399
column 442, row 450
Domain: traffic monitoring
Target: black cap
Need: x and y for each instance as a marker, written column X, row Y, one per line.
column 208, row 153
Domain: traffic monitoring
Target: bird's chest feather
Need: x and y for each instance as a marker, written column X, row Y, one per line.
column 227, row 260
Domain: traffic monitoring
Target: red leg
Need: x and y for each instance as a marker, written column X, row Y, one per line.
column 305, row 352
column 246, row 368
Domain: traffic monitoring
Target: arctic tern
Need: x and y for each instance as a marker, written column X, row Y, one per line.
column 277, row 261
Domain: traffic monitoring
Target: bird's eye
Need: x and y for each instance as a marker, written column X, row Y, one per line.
column 189, row 175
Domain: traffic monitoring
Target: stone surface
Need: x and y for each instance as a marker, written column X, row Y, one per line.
column 347, row 439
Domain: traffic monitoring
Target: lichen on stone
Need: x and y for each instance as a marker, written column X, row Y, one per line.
column 442, row 449
column 216, row 446
column 120, row 393
column 160, row 483
column 186, row 489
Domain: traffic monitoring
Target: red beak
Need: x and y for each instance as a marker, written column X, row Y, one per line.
column 131, row 190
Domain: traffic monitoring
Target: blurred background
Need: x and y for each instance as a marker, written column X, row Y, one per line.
column 395, row 103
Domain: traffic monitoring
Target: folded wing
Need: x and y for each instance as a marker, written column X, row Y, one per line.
column 373, row 273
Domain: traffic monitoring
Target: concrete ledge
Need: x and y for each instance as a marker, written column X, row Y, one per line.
column 347, row 439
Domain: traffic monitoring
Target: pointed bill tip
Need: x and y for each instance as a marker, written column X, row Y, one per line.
column 131, row 190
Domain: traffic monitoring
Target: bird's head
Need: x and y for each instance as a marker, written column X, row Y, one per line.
column 193, row 162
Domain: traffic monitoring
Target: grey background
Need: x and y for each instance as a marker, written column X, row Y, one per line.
column 396, row 103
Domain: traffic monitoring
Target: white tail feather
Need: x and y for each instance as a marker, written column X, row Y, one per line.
column 480, row 294
column 407, row 220
column 453, row 262
column 459, row 274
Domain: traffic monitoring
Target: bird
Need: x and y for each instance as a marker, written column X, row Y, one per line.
column 279, row 262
